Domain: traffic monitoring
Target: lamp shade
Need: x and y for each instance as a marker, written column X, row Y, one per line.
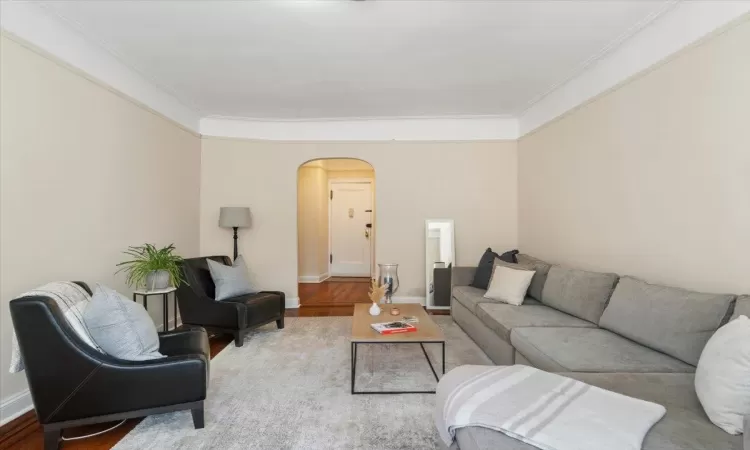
column 234, row 216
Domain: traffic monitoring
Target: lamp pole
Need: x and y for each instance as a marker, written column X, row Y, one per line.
column 235, row 242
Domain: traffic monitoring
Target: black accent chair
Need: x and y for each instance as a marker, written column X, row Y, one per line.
column 73, row 384
column 235, row 316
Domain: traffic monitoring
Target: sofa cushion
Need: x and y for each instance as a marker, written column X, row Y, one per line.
column 581, row 293
column 684, row 427
column 672, row 320
column 486, row 263
column 470, row 297
column 541, row 268
column 589, row 350
column 503, row 318
column 742, row 307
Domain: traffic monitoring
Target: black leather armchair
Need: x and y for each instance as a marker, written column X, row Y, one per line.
column 232, row 316
column 73, row 384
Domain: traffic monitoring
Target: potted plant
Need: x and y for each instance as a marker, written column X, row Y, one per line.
column 152, row 268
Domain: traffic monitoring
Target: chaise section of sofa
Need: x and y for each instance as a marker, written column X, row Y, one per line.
column 684, row 427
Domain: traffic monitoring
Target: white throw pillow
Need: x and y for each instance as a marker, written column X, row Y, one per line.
column 509, row 285
column 722, row 378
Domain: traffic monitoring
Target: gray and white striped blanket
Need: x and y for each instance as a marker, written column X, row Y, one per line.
column 548, row 411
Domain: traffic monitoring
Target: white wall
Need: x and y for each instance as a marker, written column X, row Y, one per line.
column 471, row 182
column 84, row 173
column 652, row 179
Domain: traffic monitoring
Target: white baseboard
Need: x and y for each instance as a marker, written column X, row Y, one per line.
column 420, row 300
column 292, row 303
column 439, row 307
column 15, row 405
column 313, row 278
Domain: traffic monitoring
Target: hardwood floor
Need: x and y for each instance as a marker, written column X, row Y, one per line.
column 334, row 293
column 330, row 298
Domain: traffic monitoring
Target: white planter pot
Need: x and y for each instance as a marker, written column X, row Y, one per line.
column 374, row 310
column 158, row 279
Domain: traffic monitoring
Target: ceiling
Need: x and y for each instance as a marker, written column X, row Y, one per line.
column 315, row 59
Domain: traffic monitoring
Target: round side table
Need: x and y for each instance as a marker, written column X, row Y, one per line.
column 165, row 302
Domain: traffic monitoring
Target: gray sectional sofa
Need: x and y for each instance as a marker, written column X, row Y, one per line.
column 618, row 333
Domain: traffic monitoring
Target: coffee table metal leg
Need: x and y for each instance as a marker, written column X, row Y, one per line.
column 354, row 363
column 443, row 357
column 421, row 344
column 437, row 378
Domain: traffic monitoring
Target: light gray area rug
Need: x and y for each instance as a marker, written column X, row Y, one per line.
column 290, row 389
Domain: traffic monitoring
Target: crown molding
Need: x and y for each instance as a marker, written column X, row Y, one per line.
column 686, row 23
column 460, row 128
column 32, row 24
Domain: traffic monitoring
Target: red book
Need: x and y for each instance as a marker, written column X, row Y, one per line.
column 393, row 327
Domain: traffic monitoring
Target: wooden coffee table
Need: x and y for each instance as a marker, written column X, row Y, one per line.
column 362, row 333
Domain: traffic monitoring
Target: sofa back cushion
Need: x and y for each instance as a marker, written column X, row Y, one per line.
column 540, row 268
column 742, row 307
column 579, row 293
column 674, row 321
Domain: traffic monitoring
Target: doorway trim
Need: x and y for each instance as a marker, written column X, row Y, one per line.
column 369, row 181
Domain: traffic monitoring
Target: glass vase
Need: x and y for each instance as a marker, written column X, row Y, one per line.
column 388, row 275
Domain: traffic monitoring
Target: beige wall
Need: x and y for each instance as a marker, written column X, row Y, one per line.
column 473, row 183
column 84, row 174
column 652, row 179
column 312, row 222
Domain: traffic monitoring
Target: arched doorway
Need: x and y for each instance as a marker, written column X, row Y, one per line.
column 335, row 231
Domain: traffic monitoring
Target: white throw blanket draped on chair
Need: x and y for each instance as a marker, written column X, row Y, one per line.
column 548, row 411
column 68, row 296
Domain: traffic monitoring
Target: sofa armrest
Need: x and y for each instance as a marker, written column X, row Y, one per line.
column 462, row 276
column 746, row 435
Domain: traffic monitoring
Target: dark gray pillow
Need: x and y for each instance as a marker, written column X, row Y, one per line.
column 120, row 326
column 487, row 264
column 230, row 281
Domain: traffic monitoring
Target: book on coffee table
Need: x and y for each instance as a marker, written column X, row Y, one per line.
column 393, row 327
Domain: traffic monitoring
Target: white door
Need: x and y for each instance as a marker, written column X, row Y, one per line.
column 351, row 212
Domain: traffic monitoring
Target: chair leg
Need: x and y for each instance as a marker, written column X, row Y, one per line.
column 239, row 338
column 198, row 417
column 280, row 323
column 52, row 439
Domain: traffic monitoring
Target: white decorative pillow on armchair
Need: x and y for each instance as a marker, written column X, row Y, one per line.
column 722, row 378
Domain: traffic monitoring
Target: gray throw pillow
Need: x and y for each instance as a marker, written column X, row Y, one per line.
column 230, row 281
column 120, row 326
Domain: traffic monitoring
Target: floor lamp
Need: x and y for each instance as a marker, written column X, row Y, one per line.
column 234, row 217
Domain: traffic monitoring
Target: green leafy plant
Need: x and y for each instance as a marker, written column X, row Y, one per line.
column 146, row 259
